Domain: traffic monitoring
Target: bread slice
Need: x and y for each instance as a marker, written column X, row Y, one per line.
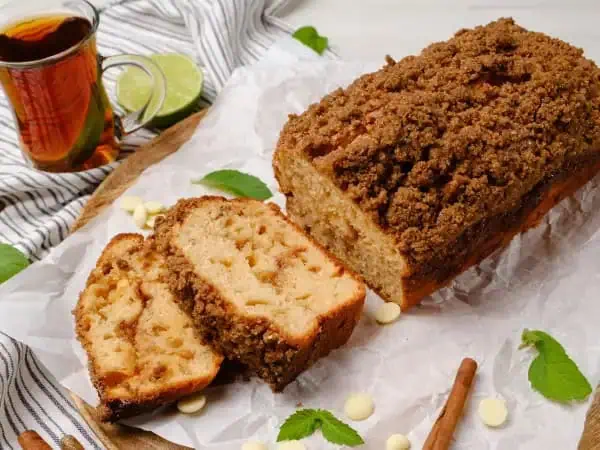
column 257, row 287
column 142, row 348
column 418, row 171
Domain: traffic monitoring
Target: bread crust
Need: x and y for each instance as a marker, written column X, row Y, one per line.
column 483, row 239
column 448, row 153
column 113, row 409
column 268, row 351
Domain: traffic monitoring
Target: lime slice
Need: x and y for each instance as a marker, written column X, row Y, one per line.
column 184, row 87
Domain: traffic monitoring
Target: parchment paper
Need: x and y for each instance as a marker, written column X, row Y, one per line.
column 546, row 279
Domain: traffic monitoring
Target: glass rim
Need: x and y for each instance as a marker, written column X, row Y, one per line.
column 64, row 53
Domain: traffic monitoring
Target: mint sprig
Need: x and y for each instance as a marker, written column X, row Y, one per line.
column 238, row 183
column 311, row 38
column 552, row 373
column 305, row 422
column 299, row 425
column 336, row 431
column 12, row 261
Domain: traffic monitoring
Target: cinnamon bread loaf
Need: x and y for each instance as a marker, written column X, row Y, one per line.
column 258, row 288
column 143, row 350
column 418, row 171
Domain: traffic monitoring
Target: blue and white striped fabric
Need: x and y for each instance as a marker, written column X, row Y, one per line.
column 37, row 209
column 31, row 399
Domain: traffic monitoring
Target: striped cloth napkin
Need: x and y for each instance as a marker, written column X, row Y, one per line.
column 37, row 208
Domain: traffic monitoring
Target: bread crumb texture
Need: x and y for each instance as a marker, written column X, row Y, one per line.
column 432, row 144
column 258, row 288
column 143, row 350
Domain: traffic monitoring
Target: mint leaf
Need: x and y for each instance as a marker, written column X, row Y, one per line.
column 552, row 373
column 305, row 422
column 299, row 425
column 237, row 183
column 336, row 431
column 12, row 261
column 311, row 38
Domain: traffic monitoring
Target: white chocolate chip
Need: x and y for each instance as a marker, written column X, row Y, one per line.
column 359, row 406
column 152, row 220
column 140, row 215
column 387, row 313
column 493, row 412
column 192, row 404
column 129, row 203
column 291, row 445
column 397, row 442
column 254, row 445
column 154, row 207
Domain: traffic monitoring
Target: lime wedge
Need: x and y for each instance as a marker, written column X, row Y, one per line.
column 184, row 87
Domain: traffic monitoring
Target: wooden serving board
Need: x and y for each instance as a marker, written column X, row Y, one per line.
column 128, row 438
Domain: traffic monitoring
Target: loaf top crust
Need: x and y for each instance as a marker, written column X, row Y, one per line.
column 432, row 144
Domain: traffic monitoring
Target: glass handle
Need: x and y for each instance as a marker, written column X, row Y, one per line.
column 135, row 120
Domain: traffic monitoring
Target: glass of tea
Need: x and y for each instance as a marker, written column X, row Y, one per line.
column 51, row 73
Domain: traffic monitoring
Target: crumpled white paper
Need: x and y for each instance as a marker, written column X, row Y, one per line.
column 547, row 279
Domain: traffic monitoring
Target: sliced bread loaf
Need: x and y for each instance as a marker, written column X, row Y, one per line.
column 143, row 349
column 256, row 286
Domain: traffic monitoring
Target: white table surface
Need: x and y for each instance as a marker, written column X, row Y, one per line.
column 360, row 29
column 371, row 29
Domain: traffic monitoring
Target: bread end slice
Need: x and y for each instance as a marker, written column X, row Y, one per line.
column 142, row 348
column 257, row 287
column 331, row 217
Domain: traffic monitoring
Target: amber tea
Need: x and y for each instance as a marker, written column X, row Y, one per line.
column 63, row 116
column 52, row 75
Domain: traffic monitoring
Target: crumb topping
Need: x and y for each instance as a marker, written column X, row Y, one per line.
column 433, row 144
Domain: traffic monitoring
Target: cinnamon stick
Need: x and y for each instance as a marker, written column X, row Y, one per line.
column 441, row 434
column 30, row 440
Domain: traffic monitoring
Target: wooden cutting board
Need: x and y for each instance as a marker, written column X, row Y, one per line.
column 128, row 438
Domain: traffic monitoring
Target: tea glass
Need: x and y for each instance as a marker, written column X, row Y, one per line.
column 63, row 117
